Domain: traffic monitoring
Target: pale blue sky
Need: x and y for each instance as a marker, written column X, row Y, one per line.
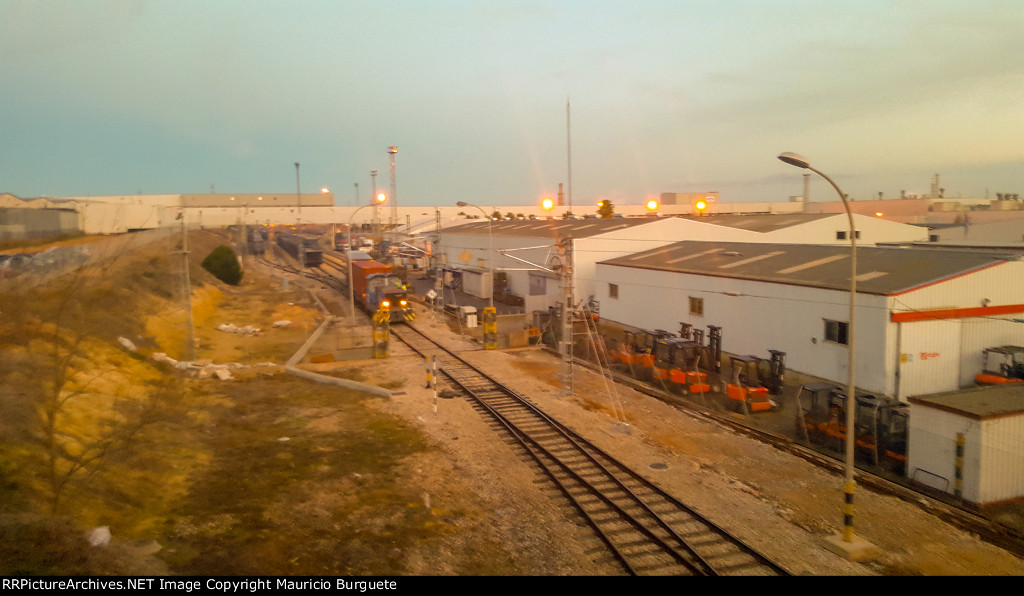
column 177, row 96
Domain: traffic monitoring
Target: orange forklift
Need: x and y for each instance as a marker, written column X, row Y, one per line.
column 880, row 424
column 1004, row 364
column 756, row 383
column 676, row 363
column 635, row 351
column 881, row 427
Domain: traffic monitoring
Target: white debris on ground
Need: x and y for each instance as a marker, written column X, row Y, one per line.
column 283, row 324
column 127, row 344
column 204, row 368
column 232, row 328
column 100, row 536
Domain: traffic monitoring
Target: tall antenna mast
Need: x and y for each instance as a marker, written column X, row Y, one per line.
column 568, row 143
column 393, row 220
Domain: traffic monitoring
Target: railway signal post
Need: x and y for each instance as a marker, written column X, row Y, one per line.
column 381, row 329
column 490, row 327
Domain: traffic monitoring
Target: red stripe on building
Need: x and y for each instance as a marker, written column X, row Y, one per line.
column 957, row 313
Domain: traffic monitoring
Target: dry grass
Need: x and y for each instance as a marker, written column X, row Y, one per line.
column 264, row 475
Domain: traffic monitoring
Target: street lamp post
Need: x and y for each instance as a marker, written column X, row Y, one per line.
column 851, row 398
column 348, row 253
column 490, row 315
column 490, row 237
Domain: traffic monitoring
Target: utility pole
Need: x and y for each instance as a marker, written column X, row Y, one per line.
column 373, row 199
column 438, row 270
column 566, row 344
column 568, row 143
column 190, row 342
column 298, row 191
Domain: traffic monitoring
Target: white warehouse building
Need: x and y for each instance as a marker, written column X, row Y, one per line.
column 923, row 317
column 524, row 248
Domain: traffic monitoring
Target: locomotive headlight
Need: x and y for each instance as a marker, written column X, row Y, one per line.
column 385, row 304
column 403, row 303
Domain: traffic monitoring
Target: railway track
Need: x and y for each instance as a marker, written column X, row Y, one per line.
column 646, row 530
column 935, row 503
column 318, row 274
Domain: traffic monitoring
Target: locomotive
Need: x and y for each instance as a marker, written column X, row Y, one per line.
column 374, row 284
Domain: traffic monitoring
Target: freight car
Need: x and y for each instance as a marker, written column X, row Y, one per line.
column 375, row 283
column 303, row 249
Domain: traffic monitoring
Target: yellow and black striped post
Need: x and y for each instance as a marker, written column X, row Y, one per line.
column 381, row 330
column 490, row 328
column 958, row 486
column 848, row 512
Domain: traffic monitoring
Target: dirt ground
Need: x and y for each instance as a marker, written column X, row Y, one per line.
column 266, row 473
column 780, row 504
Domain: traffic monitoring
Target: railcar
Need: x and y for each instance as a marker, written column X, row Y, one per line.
column 303, row 249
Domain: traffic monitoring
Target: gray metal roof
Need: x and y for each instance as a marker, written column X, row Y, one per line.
column 880, row 270
column 563, row 228
column 978, row 402
column 767, row 222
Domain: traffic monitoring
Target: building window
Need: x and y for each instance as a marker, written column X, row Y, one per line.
column 835, row 331
column 538, row 285
column 842, row 235
column 613, row 291
column 697, row 306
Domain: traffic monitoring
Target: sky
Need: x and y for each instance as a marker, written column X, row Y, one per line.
column 498, row 102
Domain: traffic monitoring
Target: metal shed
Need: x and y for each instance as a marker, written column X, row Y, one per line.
column 970, row 443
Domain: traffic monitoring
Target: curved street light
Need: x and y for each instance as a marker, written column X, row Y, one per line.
column 379, row 199
column 490, row 237
column 490, row 315
column 851, row 399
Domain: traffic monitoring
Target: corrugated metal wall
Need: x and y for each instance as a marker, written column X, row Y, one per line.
column 929, row 357
column 993, row 457
column 931, row 456
column 24, row 224
column 1002, row 457
column 999, row 285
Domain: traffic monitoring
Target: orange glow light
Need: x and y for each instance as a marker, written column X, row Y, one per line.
column 652, row 205
column 548, row 204
column 381, row 197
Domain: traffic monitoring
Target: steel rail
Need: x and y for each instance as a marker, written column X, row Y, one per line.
column 646, row 522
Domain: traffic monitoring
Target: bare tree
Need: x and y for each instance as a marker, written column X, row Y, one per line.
column 63, row 375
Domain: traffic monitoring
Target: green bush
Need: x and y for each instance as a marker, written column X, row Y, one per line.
column 223, row 264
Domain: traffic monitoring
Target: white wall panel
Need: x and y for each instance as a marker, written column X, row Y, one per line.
column 931, row 457
column 1002, row 454
column 929, row 357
